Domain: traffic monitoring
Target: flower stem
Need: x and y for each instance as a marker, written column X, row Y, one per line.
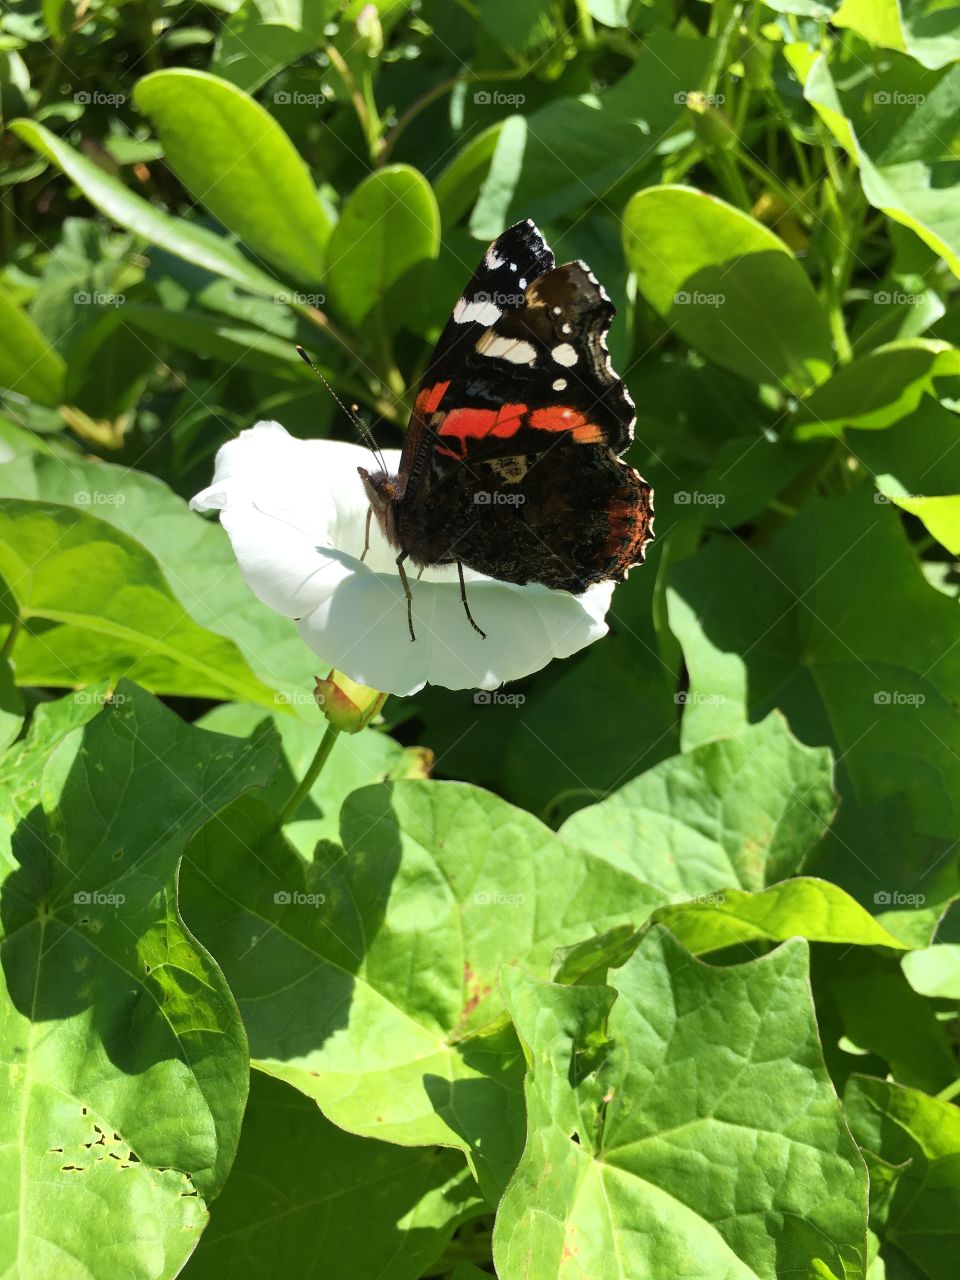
column 303, row 788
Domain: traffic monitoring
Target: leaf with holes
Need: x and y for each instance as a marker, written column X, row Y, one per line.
column 109, row 1008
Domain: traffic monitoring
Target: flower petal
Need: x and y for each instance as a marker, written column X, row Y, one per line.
column 296, row 511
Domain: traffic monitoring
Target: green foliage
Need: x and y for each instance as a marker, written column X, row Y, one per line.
column 658, row 975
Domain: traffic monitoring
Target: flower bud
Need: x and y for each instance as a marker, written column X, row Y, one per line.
column 370, row 30
column 347, row 705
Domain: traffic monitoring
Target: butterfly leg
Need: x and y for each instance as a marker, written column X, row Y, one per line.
column 366, row 533
column 466, row 607
column 406, row 591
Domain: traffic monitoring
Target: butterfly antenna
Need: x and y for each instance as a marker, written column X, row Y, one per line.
column 366, row 435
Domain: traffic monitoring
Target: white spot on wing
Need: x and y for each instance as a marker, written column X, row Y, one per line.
column 564, row 354
column 513, row 349
column 492, row 259
column 485, row 313
column 560, row 384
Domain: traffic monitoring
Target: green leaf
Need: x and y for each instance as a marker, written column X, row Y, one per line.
column 648, row 1099
column 109, row 1008
column 804, row 625
column 261, row 37
column 234, row 157
column 300, row 1185
column 11, row 705
column 388, row 228
column 877, row 389
column 739, row 812
column 359, row 759
column 901, row 124
column 915, row 466
column 378, row 999
column 805, row 907
column 926, row 29
column 935, row 971
column 731, row 288
column 94, row 604
column 28, row 364
column 917, row 1138
column 179, row 236
column 195, row 558
column 575, row 151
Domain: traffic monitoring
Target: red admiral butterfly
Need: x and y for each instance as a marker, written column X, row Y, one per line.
column 511, row 464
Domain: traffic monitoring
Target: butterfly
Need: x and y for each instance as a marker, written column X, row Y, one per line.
column 512, row 464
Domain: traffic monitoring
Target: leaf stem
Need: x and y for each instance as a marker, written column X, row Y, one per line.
column 314, row 769
column 11, row 636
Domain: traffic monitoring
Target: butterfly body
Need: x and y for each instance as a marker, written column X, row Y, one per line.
column 511, row 464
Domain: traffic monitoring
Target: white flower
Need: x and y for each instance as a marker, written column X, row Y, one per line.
column 295, row 511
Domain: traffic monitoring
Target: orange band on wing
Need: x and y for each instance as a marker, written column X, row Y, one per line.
column 430, row 397
column 563, row 418
column 476, row 423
